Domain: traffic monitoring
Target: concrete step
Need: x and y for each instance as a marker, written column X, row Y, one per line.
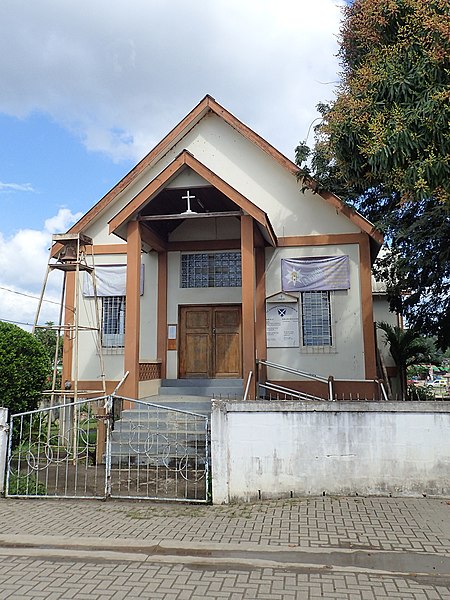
column 185, row 403
column 152, row 435
column 211, row 388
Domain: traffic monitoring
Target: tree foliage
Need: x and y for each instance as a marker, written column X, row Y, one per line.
column 407, row 348
column 24, row 368
column 384, row 146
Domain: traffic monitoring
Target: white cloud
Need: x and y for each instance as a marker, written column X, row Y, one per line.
column 23, row 264
column 16, row 187
column 121, row 74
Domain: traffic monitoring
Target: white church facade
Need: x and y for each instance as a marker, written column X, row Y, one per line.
column 210, row 258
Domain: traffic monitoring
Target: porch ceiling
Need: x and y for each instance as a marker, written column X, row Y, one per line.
column 169, row 202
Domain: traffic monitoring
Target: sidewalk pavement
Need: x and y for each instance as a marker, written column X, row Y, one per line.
column 343, row 548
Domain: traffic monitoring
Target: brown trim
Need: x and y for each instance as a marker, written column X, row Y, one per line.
column 132, row 313
column 69, row 303
column 152, row 239
column 353, row 216
column 109, row 249
column 322, row 240
column 260, row 309
column 182, row 160
column 201, row 245
column 233, row 194
column 208, row 104
column 147, row 193
column 343, row 390
column 183, row 127
column 161, row 333
column 248, row 302
column 365, row 273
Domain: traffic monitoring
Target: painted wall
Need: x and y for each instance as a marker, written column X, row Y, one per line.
column 250, row 171
column 3, row 445
column 274, row 450
column 276, row 191
column 89, row 362
column 346, row 358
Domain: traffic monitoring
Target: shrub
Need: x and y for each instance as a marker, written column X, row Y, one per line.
column 24, row 369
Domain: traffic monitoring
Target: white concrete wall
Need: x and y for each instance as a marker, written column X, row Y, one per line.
column 274, row 450
column 3, row 446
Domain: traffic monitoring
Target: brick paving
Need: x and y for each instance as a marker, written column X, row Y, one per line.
column 419, row 525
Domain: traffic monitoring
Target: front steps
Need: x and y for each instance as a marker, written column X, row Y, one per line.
column 229, row 389
column 170, row 431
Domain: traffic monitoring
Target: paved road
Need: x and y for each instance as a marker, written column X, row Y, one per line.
column 343, row 548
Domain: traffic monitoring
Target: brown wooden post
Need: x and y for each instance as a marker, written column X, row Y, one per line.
column 260, row 333
column 69, row 318
column 130, row 386
column 101, row 436
column 365, row 268
column 248, row 302
column 162, row 312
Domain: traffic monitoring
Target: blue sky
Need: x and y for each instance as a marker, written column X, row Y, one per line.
column 88, row 88
column 45, row 167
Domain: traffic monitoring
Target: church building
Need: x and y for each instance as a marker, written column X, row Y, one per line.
column 210, row 256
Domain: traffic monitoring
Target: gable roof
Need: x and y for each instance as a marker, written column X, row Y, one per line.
column 183, row 160
column 208, row 104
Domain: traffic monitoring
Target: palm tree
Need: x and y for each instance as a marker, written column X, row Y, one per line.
column 407, row 347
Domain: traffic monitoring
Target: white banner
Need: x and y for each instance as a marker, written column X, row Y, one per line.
column 111, row 280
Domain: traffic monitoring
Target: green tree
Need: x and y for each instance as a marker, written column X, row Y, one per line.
column 53, row 344
column 383, row 145
column 24, row 369
column 407, row 348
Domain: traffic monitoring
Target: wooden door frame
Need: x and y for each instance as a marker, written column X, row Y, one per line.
column 212, row 306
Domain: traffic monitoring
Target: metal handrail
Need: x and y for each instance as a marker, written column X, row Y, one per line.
column 289, row 392
column 247, row 387
column 294, row 371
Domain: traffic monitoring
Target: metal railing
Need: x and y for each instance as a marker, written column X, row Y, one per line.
column 329, row 381
column 89, row 449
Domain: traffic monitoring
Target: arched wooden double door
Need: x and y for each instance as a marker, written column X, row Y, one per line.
column 210, row 341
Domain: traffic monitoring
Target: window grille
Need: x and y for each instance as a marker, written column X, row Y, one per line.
column 113, row 321
column 316, row 319
column 215, row 269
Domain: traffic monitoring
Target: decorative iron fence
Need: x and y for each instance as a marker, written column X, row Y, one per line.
column 109, row 447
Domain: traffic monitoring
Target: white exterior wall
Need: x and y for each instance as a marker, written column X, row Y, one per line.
column 346, row 358
column 277, row 192
column 381, row 312
column 274, row 450
column 89, row 361
column 3, row 445
column 249, row 170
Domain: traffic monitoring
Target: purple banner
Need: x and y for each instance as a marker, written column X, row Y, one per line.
column 320, row 273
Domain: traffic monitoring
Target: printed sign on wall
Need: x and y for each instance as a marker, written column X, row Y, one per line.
column 282, row 325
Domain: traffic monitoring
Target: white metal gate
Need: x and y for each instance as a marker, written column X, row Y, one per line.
column 109, row 447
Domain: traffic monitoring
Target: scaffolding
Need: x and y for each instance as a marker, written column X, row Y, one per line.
column 68, row 254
